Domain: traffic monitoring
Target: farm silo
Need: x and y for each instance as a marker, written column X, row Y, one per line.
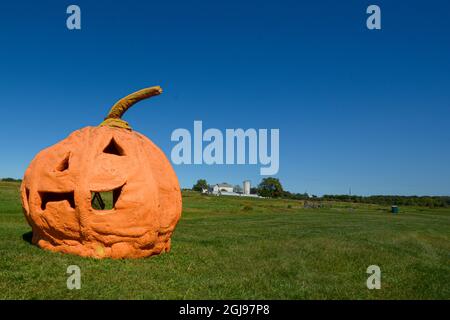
column 247, row 187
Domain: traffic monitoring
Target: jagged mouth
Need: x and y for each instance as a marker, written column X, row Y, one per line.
column 47, row 197
column 100, row 200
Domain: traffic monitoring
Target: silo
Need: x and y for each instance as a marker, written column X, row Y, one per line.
column 247, row 187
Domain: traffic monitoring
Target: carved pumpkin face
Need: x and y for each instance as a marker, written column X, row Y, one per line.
column 63, row 186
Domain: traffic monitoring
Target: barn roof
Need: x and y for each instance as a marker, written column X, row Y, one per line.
column 224, row 185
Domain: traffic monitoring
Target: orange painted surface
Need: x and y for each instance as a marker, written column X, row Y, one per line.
column 59, row 184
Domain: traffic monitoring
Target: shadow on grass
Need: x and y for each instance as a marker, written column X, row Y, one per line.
column 27, row 236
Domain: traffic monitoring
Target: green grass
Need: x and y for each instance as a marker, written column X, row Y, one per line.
column 235, row 248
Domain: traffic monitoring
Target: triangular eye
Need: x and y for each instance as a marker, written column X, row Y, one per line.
column 114, row 148
column 64, row 165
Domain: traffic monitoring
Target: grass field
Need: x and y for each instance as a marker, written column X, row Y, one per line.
column 235, row 248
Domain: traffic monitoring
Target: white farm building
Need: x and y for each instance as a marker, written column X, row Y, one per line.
column 222, row 187
column 226, row 189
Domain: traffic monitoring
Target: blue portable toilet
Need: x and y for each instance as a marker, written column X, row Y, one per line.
column 394, row 209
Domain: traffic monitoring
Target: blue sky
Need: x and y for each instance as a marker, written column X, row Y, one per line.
column 356, row 108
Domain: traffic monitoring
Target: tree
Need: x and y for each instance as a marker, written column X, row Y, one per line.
column 270, row 187
column 200, row 185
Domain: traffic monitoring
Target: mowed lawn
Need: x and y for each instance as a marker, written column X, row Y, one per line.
column 236, row 248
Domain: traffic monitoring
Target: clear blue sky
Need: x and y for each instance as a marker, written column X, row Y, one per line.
column 356, row 108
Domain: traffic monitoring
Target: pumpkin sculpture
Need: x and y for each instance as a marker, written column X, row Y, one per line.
column 62, row 187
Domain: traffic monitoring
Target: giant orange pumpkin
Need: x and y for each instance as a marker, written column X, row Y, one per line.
column 62, row 187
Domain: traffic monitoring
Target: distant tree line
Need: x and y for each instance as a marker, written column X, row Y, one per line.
column 11, row 180
column 423, row 201
column 272, row 188
column 268, row 188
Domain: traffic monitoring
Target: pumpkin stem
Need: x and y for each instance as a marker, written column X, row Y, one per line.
column 113, row 119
